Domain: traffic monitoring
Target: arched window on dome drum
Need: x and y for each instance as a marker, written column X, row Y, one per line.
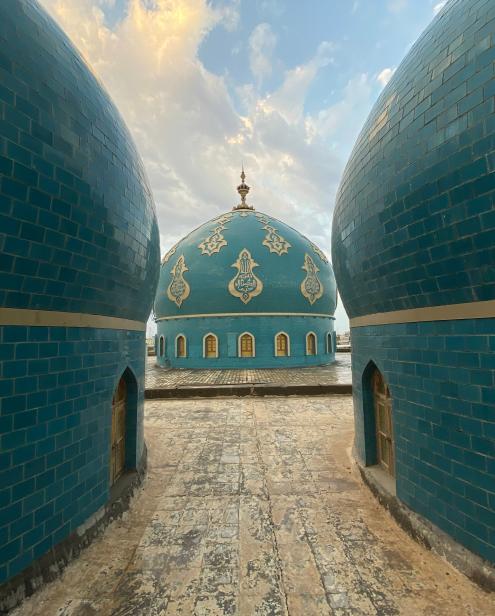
column 246, row 345
column 382, row 403
column 329, row 342
column 310, row 344
column 210, row 346
column 162, row 346
column 281, row 345
column 180, row 343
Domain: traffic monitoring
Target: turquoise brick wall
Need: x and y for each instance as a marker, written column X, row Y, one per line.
column 227, row 330
column 56, row 388
column 442, row 382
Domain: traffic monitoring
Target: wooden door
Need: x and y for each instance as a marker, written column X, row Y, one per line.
column 119, row 407
column 210, row 346
column 246, row 345
column 282, row 345
column 181, row 346
column 311, row 344
column 383, row 419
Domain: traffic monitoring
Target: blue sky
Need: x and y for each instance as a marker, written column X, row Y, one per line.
column 283, row 86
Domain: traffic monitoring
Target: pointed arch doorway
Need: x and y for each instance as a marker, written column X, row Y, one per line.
column 382, row 402
column 119, row 411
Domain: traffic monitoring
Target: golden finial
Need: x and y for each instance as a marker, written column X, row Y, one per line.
column 243, row 190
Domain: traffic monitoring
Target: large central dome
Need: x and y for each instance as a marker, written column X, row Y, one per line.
column 245, row 289
column 245, row 261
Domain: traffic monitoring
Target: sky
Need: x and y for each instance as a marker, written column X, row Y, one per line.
column 282, row 86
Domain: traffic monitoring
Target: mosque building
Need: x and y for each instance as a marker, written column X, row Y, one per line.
column 245, row 290
column 413, row 251
column 79, row 264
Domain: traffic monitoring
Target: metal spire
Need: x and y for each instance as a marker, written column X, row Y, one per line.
column 243, row 190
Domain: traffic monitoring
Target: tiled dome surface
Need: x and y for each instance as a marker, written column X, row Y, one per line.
column 414, row 221
column 77, row 220
column 279, row 252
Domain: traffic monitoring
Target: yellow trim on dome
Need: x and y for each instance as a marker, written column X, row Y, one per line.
column 448, row 312
column 246, row 314
column 55, row 318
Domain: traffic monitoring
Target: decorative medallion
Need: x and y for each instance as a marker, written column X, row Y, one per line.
column 245, row 285
column 168, row 254
column 178, row 290
column 275, row 242
column 319, row 252
column 214, row 242
column 311, row 287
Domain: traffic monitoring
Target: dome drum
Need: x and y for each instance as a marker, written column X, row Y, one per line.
column 228, row 331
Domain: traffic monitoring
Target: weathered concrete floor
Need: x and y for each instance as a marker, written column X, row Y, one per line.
column 337, row 373
column 251, row 507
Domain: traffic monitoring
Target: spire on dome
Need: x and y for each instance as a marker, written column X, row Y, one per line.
column 243, row 190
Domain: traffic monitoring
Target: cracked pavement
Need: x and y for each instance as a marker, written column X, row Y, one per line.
column 254, row 507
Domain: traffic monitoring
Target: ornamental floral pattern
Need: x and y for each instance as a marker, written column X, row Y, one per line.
column 319, row 252
column 214, row 242
column 311, row 287
column 262, row 218
column 245, row 285
column 168, row 254
column 274, row 241
column 224, row 218
column 178, row 290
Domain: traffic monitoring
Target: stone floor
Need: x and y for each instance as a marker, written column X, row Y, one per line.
column 253, row 507
column 336, row 373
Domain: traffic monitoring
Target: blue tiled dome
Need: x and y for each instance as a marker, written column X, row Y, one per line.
column 77, row 213
column 245, row 262
column 414, row 221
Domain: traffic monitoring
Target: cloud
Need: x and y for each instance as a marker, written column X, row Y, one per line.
column 439, row 6
column 397, row 6
column 191, row 136
column 261, row 47
column 385, row 75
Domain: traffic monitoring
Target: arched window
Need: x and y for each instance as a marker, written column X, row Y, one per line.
column 180, row 346
column 246, row 345
column 329, row 342
column 282, row 345
column 311, row 343
column 382, row 403
column 210, row 346
column 162, row 346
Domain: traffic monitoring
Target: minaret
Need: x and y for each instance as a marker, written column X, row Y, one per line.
column 243, row 190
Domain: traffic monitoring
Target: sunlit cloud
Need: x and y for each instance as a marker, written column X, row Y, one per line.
column 385, row 76
column 191, row 135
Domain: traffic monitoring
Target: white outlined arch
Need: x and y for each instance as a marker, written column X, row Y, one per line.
column 329, row 342
column 161, row 346
column 204, row 344
column 176, row 345
column 239, row 344
column 275, row 344
column 311, row 333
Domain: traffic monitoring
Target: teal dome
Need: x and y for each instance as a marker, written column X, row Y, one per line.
column 245, row 262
